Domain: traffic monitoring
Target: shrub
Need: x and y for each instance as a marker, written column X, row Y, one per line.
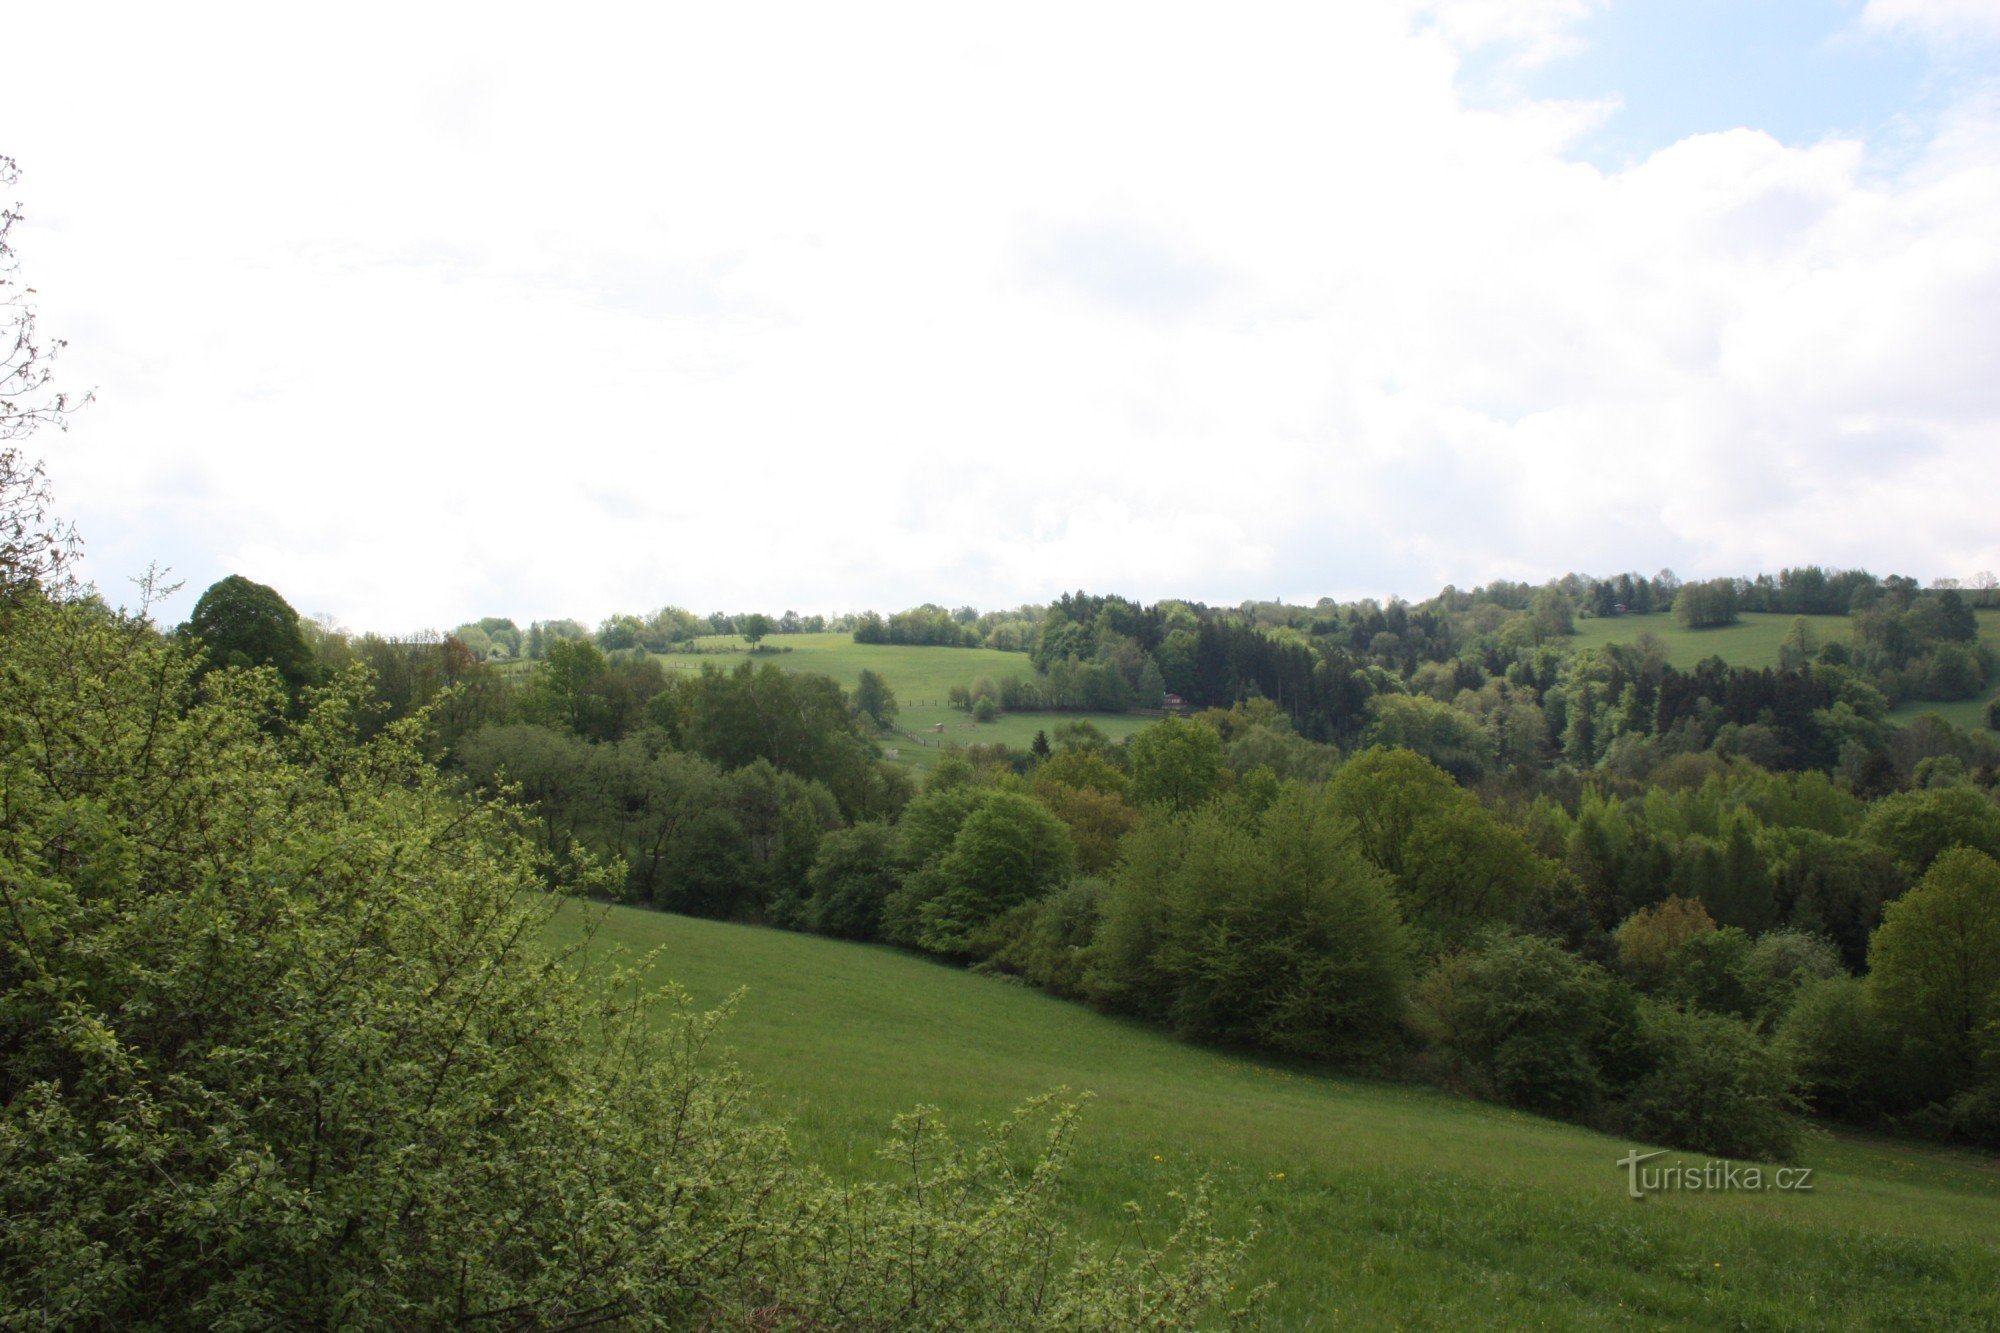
column 1709, row 971
column 1650, row 935
column 1175, row 763
column 1916, row 827
column 1934, row 965
column 1781, row 964
column 1843, row 1056
column 1280, row 936
column 280, row 1044
column 1007, row 851
column 1713, row 1087
column 851, row 878
column 1532, row 1025
column 1047, row 942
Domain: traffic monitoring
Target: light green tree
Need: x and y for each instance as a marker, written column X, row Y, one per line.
column 1009, row 850
column 874, row 699
column 283, row 1044
column 1176, row 763
column 1934, row 963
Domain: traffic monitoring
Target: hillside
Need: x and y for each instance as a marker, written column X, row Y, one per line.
column 1380, row 1204
column 921, row 678
column 1754, row 642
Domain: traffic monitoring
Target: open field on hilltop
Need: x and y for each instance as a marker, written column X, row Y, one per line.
column 1755, row 642
column 917, row 674
column 1380, row 1205
column 921, row 678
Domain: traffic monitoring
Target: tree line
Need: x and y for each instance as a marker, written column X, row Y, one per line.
column 1593, row 886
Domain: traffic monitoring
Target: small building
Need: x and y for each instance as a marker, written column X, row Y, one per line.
column 1173, row 703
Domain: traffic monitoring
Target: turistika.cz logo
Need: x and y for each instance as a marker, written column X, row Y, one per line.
column 1641, row 1180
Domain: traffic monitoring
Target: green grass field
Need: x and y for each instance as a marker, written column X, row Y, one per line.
column 921, row 677
column 1380, row 1205
column 1754, row 642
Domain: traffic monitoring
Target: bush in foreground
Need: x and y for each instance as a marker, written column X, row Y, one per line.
column 280, row 1044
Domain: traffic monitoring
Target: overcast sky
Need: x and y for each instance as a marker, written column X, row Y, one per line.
column 569, row 310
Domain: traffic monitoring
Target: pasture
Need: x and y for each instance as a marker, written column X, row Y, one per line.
column 921, row 677
column 1754, row 642
column 1380, row 1205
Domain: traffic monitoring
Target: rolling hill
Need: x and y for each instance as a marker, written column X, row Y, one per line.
column 1754, row 642
column 921, row 678
column 1379, row 1204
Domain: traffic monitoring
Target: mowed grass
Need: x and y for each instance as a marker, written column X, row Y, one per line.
column 1752, row 642
column 1755, row 641
column 1379, row 1205
column 922, row 678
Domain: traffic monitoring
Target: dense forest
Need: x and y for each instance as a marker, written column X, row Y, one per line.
column 1439, row 841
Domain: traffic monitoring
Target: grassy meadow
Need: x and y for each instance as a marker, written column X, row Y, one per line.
column 1380, row 1205
column 921, row 677
column 1754, row 642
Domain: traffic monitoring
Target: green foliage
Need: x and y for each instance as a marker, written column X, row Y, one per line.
column 1279, row 935
column 1706, row 605
column 1553, row 615
column 1098, row 822
column 966, row 1237
column 245, row 624
column 1462, row 869
column 783, row 817
column 1176, row 763
column 316, row 1013
column 671, row 819
column 1712, row 1087
column 1836, row 1043
column 1934, row 965
column 874, row 699
column 796, row 722
column 1918, row 826
column 1456, row 867
column 1530, row 1024
column 1444, row 735
column 577, row 688
column 1048, row 941
column 442, row 679
column 1710, row 971
column 1283, row 752
column 851, row 878
column 1008, row 850
column 280, row 1043
column 1781, row 964
column 1835, row 886
column 1385, row 794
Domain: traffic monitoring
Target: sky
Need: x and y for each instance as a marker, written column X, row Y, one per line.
column 421, row 313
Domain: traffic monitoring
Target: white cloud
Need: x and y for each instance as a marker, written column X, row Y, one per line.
column 822, row 308
column 1946, row 20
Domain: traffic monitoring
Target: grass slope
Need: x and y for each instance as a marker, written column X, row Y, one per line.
column 921, row 678
column 1754, row 642
column 1380, row 1205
